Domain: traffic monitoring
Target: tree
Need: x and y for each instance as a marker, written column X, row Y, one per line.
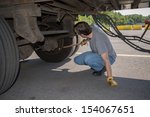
column 118, row 18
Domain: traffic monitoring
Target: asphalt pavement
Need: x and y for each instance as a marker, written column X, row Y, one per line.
column 39, row 80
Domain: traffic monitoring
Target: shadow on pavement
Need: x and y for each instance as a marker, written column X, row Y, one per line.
column 46, row 81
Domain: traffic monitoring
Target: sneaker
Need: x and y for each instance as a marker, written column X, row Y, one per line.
column 92, row 69
column 99, row 73
column 104, row 69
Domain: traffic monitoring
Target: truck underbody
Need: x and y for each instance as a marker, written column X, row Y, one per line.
column 25, row 12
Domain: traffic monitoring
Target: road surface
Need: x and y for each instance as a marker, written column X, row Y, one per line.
column 39, row 80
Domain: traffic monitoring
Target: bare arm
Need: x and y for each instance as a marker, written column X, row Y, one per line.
column 107, row 64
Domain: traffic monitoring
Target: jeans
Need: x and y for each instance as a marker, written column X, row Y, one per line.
column 93, row 60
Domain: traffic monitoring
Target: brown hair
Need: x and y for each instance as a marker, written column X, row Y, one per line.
column 82, row 28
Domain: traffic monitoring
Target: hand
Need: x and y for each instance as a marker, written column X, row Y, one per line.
column 111, row 82
column 83, row 42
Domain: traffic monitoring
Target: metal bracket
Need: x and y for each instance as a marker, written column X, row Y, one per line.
column 25, row 25
column 62, row 14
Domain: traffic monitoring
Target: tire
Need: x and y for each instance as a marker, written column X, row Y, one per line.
column 75, row 48
column 60, row 53
column 9, row 58
column 56, row 55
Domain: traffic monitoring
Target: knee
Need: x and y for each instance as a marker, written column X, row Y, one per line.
column 88, row 60
column 76, row 60
column 112, row 60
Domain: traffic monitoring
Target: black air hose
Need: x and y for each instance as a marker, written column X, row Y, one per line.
column 100, row 19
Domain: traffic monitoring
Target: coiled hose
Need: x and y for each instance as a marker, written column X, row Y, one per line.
column 100, row 18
